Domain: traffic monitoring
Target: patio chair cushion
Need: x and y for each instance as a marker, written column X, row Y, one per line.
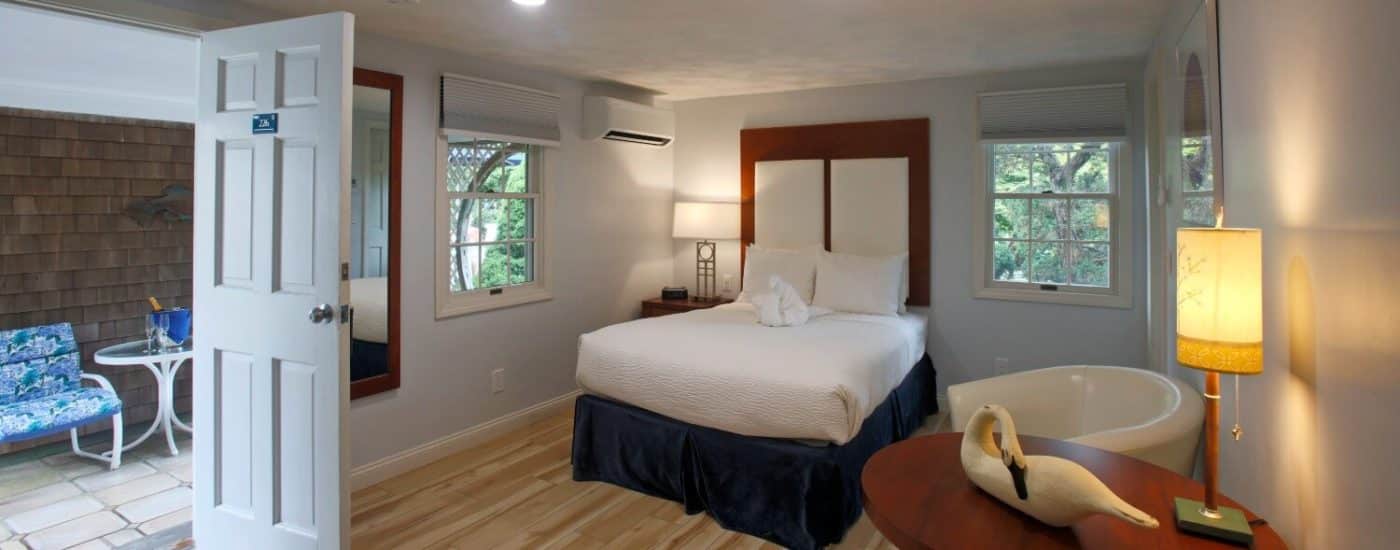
column 56, row 413
column 38, row 362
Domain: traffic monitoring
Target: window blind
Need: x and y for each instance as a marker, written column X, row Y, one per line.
column 1053, row 113
column 500, row 110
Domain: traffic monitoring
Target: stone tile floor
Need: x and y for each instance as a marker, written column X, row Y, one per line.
column 63, row 501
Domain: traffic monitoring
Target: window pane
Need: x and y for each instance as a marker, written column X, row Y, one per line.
column 493, row 217
column 1011, row 173
column 1011, row 218
column 1199, row 210
column 1091, row 176
column 1009, row 261
column 1050, row 219
column 1049, row 263
column 1044, row 169
column 519, row 216
column 517, row 180
column 463, row 224
column 460, row 167
column 494, row 264
column 1196, row 165
column 1089, row 219
column 463, row 263
column 499, row 163
column 1091, row 264
column 522, row 263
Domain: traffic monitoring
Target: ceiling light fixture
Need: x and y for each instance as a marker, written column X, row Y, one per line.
column 531, row 3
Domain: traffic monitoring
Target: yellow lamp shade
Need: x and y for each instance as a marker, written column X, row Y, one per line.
column 706, row 220
column 1219, row 300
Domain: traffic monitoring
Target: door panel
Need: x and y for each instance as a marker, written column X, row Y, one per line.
column 296, row 463
column 270, row 448
column 295, row 232
column 235, row 213
column 234, row 475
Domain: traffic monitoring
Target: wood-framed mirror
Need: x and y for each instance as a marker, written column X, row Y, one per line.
column 1201, row 185
column 375, row 208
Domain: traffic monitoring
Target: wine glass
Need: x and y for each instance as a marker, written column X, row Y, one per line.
column 150, row 333
column 164, row 333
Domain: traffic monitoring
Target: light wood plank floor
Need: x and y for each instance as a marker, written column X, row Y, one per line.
column 518, row 492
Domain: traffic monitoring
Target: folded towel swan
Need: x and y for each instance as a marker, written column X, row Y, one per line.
column 780, row 306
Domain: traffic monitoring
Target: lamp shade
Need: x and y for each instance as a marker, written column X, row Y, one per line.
column 1219, row 300
column 706, row 220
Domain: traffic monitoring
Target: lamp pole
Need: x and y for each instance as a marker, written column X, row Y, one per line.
column 1211, row 474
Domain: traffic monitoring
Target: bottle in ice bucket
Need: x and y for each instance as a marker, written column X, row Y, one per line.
column 171, row 326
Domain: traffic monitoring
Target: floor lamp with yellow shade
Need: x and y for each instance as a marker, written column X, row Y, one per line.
column 1219, row 329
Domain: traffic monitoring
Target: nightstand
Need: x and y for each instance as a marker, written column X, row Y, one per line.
column 657, row 307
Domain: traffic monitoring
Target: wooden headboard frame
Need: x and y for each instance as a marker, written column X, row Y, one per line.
column 854, row 140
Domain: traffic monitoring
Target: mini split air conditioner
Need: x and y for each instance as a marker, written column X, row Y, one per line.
column 618, row 120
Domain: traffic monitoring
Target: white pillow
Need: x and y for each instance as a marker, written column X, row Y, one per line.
column 797, row 267
column 860, row 284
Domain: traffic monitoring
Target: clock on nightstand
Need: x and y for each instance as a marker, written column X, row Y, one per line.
column 656, row 307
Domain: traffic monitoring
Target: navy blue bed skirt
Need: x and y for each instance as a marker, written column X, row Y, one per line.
column 368, row 359
column 796, row 495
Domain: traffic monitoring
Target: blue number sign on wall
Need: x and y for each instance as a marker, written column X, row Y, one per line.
column 265, row 123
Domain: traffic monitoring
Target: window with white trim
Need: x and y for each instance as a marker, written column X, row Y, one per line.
column 1052, row 214
column 1054, row 197
column 491, row 208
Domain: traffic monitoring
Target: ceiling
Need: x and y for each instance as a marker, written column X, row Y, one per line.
column 687, row 49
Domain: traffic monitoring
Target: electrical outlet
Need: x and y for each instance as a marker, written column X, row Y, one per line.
column 1002, row 365
column 498, row 380
column 728, row 283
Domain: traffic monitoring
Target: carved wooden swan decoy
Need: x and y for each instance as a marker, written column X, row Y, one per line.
column 1053, row 490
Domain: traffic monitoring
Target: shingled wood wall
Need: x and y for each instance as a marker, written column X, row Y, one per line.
column 68, row 251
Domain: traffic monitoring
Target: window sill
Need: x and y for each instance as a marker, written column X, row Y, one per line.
column 456, row 306
column 1063, row 297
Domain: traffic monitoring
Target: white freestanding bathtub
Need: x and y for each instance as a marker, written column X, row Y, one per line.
column 1132, row 411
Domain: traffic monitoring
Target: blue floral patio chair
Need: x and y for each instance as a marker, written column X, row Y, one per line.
column 41, row 391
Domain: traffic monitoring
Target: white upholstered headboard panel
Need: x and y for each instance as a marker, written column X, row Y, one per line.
column 853, row 172
column 870, row 206
column 789, row 203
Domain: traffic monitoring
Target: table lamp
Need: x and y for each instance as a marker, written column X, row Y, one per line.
column 1219, row 328
column 707, row 222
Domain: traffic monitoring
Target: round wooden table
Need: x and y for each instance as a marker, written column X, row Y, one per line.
column 918, row 496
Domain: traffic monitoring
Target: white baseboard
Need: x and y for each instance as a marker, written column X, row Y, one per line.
column 437, row 449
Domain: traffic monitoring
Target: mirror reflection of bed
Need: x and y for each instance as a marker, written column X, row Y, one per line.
column 373, row 224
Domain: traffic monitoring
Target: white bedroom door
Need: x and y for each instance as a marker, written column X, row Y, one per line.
column 272, row 187
column 375, row 222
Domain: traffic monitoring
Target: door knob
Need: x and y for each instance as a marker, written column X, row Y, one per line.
column 323, row 313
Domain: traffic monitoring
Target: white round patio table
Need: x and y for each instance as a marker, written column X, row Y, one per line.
column 163, row 364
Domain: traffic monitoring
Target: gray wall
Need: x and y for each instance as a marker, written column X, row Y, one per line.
column 1309, row 93
column 609, row 227
column 965, row 334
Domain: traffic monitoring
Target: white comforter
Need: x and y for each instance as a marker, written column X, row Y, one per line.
column 719, row 368
column 370, row 298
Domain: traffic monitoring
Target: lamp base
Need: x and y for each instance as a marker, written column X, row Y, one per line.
column 1231, row 524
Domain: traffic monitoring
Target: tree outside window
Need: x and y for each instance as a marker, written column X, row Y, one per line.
column 1053, row 208
column 491, row 214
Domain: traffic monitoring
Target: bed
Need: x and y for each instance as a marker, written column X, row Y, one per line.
column 369, row 327
column 816, row 382
column 767, row 429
